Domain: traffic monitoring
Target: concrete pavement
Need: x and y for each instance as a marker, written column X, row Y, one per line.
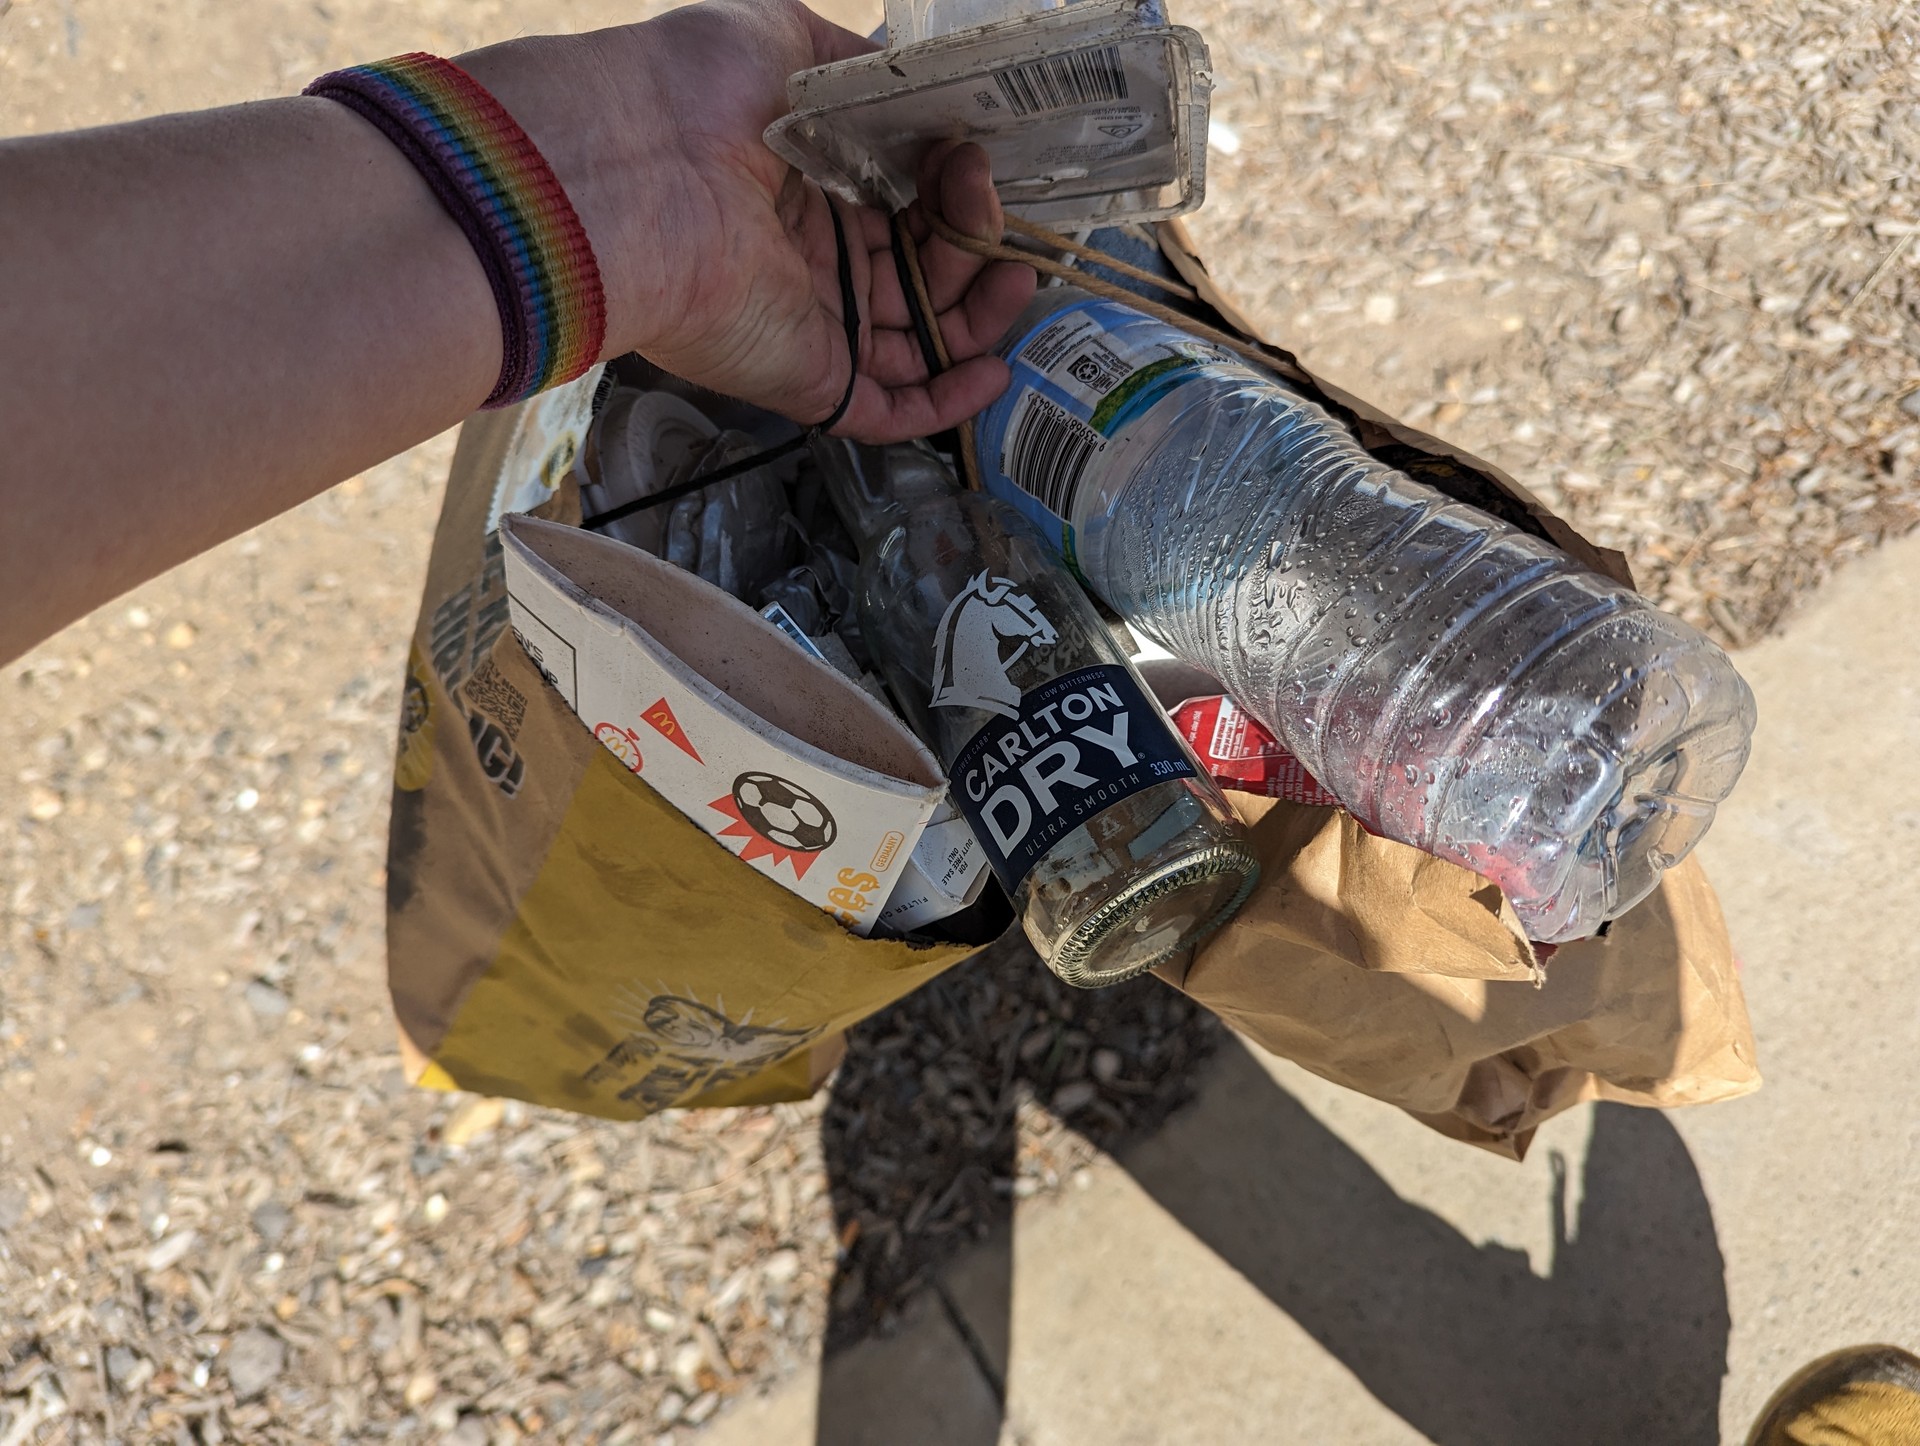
column 1286, row 1262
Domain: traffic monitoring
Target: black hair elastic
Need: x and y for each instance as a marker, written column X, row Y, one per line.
column 850, row 312
column 922, row 327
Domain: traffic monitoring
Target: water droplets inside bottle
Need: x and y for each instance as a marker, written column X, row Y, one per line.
column 1499, row 705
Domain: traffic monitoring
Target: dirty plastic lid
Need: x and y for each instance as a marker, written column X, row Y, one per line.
column 1092, row 113
column 911, row 21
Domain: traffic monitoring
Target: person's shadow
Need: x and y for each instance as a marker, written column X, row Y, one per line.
column 1624, row 1340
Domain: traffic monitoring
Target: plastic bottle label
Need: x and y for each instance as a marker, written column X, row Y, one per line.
column 1054, row 444
column 1079, row 744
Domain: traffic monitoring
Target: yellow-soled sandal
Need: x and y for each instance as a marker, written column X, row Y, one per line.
column 1861, row 1396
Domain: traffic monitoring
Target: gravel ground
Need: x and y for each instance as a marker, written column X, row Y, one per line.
column 226, row 1217
column 1654, row 259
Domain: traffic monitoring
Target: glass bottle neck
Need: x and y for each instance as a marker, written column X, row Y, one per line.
column 874, row 488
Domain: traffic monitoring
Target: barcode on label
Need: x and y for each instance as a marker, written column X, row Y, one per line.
column 1049, row 452
column 1082, row 77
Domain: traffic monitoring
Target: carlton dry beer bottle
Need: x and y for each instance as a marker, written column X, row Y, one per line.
column 1115, row 848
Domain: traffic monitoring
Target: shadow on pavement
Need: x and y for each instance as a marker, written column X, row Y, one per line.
column 920, row 1131
column 1624, row 1340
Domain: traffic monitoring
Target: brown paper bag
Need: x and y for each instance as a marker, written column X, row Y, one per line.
column 560, row 934
column 1407, row 979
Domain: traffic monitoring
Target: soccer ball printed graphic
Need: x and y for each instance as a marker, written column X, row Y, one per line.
column 783, row 812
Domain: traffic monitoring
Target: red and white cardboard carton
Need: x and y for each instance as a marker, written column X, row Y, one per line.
column 1239, row 752
column 773, row 753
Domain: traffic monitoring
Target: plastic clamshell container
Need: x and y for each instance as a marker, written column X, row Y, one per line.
column 1092, row 114
column 913, row 20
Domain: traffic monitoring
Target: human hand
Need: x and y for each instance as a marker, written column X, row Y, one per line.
column 718, row 258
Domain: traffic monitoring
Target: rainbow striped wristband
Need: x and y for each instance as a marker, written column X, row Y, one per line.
column 500, row 189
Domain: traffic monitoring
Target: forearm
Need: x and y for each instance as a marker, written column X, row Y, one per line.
column 205, row 319
column 228, row 312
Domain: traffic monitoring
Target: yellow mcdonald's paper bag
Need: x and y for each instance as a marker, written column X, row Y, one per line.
column 557, row 931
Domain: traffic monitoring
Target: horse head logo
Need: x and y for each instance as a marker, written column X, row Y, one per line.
column 968, row 670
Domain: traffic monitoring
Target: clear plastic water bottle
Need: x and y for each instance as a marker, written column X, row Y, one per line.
column 1459, row 685
column 1116, row 850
